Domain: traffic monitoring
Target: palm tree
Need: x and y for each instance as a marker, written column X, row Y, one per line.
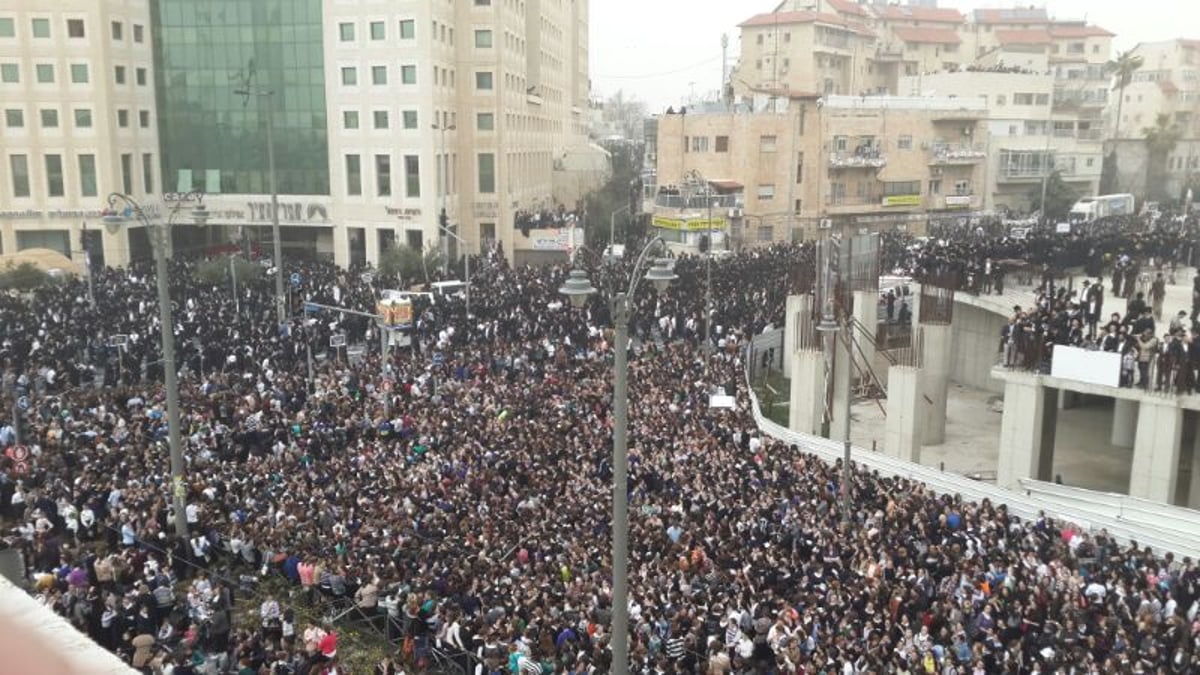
column 1161, row 139
column 1122, row 69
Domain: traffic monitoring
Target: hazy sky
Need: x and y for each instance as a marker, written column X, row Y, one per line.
column 662, row 50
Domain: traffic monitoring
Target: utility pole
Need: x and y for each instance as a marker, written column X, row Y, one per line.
column 267, row 94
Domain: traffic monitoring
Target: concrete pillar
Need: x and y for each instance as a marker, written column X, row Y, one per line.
column 841, row 397
column 1124, row 422
column 866, row 315
column 902, row 433
column 806, row 400
column 341, row 246
column 1155, row 470
column 797, row 306
column 1193, row 501
column 1068, row 399
column 1024, row 451
column 372, row 245
column 936, row 361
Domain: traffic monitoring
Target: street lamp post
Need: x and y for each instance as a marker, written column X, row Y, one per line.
column 708, row 313
column 160, row 236
column 280, row 305
column 445, row 194
column 577, row 288
column 466, row 263
column 612, row 230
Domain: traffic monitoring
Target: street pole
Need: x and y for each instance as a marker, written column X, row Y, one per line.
column 237, row 302
column 620, row 459
column 612, row 230
column 178, row 490
column 846, row 426
column 87, row 262
column 708, row 316
column 384, row 367
column 281, row 310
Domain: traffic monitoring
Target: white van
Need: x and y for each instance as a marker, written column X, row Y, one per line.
column 446, row 289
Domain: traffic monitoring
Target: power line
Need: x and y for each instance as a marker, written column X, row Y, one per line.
column 662, row 74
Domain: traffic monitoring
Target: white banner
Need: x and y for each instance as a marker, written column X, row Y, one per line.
column 1082, row 365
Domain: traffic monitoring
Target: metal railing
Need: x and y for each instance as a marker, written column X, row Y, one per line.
column 957, row 152
column 868, row 158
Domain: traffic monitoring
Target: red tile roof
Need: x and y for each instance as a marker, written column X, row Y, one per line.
column 786, row 18
column 939, row 36
column 1078, row 31
column 931, row 14
column 1011, row 16
column 849, row 7
column 1023, row 37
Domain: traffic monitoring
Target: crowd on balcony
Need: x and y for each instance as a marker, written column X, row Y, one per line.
column 557, row 217
column 473, row 519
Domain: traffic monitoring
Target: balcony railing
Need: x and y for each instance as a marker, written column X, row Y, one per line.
column 698, row 201
column 1025, row 172
column 867, row 158
column 956, row 153
column 873, row 199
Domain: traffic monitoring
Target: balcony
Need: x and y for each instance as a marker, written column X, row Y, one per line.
column 944, row 154
column 838, row 204
column 1065, row 101
column 863, row 158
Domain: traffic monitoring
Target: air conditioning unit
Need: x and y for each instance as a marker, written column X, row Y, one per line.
column 735, row 213
column 825, row 224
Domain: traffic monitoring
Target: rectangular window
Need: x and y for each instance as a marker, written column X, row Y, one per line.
column 349, row 76
column 766, row 233
column 137, row 33
column 87, row 176
column 353, row 175
column 54, row 176
column 799, row 167
column 1043, row 99
column 19, row 167
column 140, row 74
column 487, row 173
column 148, row 173
column 699, row 143
column 127, row 174
column 483, row 39
column 119, row 74
column 1022, row 99
column 962, row 187
column 378, row 30
column 116, row 30
column 408, row 74
column 123, row 118
column 383, row 175
column 378, row 75
column 906, row 187
column 410, row 119
column 722, row 144
column 14, row 118
column 7, row 27
column 935, row 186
column 905, row 143
column 75, row 28
column 485, row 121
column 766, row 143
column 483, row 3
column 799, row 206
column 408, row 29
column 144, row 119
column 49, row 118
column 766, row 192
column 483, row 80
column 412, row 176
column 41, row 28
column 45, row 73
column 10, row 73
column 349, row 119
column 346, row 32
column 79, row 73
column 380, row 118
column 83, row 118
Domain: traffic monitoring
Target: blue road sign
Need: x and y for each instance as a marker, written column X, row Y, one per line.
column 438, row 358
column 296, row 279
column 310, row 308
column 23, row 403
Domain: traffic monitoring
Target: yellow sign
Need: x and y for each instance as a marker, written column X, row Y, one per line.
column 692, row 225
column 902, row 200
column 395, row 313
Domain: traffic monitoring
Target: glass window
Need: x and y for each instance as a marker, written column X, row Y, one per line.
column 412, row 176
column 408, row 29
column 485, row 121
column 119, row 74
column 483, row 39
column 54, row 176
column 49, row 118
column 117, row 30
column 87, row 176
column 353, row 175
column 83, row 118
column 346, row 31
column 144, row 119
column 122, row 118
column 766, row 192
column 410, row 119
column 905, row 143
column 766, row 143
column 483, row 3
column 487, row 173
column 7, row 27
column 141, row 77
column 148, row 173
column 45, row 73
column 19, row 168
column 378, row 30
column 408, row 74
column 483, row 80
column 127, row 175
column 41, row 28
column 79, row 73
column 349, row 76
column 75, row 28
column 381, row 119
column 14, row 118
column 10, row 73
column 349, row 119
column 378, row 75
column 722, row 144
column 383, row 175
column 137, row 32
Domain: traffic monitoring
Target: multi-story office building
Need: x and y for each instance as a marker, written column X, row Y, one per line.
column 383, row 117
column 792, row 168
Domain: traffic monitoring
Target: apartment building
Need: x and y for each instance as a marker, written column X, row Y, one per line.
column 1168, row 83
column 791, row 168
column 384, row 116
column 79, row 122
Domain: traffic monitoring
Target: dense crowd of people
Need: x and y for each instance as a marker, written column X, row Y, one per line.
column 459, row 492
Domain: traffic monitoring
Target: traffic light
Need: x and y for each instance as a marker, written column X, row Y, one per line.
column 444, row 220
